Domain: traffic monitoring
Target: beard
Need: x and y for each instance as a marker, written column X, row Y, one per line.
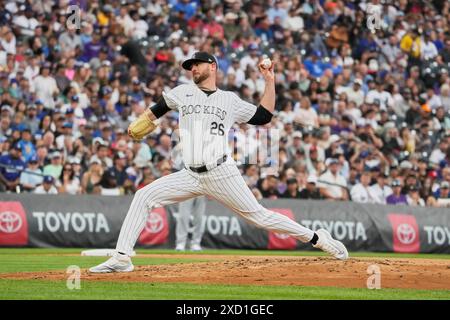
column 201, row 77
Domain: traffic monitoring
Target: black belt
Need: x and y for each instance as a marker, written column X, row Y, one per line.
column 204, row 168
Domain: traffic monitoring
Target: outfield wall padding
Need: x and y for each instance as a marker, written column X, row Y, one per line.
column 28, row 220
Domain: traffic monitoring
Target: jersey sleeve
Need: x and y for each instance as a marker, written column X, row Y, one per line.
column 160, row 108
column 172, row 97
column 243, row 110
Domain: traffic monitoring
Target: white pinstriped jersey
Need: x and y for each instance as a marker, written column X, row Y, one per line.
column 204, row 121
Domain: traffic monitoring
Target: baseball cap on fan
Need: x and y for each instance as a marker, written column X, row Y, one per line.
column 48, row 179
column 199, row 56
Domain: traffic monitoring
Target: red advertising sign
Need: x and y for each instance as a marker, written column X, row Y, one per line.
column 278, row 241
column 13, row 224
column 156, row 229
column 405, row 232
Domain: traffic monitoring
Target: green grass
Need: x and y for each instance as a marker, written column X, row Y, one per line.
column 37, row 289
column 19, row 260
column 10, row 263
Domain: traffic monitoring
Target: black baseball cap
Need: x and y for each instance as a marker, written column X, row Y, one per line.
column 199, row 56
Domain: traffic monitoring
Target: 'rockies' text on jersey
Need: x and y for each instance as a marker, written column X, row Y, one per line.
column 205, row 120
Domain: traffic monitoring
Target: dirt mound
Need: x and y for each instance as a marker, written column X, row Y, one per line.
column 276, row 270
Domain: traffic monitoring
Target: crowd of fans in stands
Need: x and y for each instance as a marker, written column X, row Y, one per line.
column 363, row 98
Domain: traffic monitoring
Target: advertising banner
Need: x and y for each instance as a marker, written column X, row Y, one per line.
column 28, row 220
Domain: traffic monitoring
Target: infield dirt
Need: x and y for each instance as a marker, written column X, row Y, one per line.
column 276, row 270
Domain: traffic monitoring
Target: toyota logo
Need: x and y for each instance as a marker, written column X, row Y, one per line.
column 154, row 223
column 10, row 222
column 405, row 233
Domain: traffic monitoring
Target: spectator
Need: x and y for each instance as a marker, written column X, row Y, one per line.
column 311, row 191
column 26, row 145
column 66, row 139
column 314, row 64
column 147, row 177
column 331, row 184
column 263, row 28
column 231, row 29
column 68, row 182
column 355, row 93
column 8, row 40
column 235, row 69
column 62, row 82
column 189, row 8
column 254, row 81
column 92, row 176
column 45, row 88
column 413, row 197
column 31, row 120
column 119, row 168
column 292, row 191
column 445, row 96
column 142, row 152
column 439, row 153
column 47, row 186
column 69, row 40
column 101, row 154
column 441, row 198
column 428, row 49
column 214, row 29
column 294, row 22
column 278, row 10
column 268, row 186
column 54, row 168
column 251, row 175
column 397, row 197
column 306, row 115
column 11, row 166
column 25, row 21
column 165, row 146
column 360, row 192
column 32, row 176
column 380, row 96
column 109, row 186
column 380, row 191
column 250, row 58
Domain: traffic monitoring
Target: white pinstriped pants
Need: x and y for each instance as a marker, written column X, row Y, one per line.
column 223, row 183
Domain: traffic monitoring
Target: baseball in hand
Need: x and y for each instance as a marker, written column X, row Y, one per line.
column 266, row 63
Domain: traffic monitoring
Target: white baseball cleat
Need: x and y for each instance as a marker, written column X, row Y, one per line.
column 196, row 248
column 330, row 245
column 117, row 263
column 180, row 247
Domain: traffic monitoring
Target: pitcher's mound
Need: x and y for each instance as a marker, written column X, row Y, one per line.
column 276, row 270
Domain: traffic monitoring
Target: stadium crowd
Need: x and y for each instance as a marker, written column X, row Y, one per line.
column 363, row 96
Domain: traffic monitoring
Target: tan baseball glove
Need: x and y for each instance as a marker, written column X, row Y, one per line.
column 141, row 127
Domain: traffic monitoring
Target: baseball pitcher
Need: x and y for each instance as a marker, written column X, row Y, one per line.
column 206, row 114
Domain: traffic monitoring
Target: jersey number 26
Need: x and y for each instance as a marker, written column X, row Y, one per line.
column 217, row 129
